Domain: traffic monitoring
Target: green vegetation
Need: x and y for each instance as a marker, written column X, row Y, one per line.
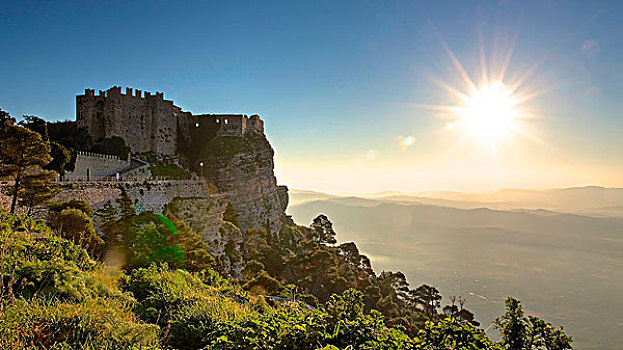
column 22, row 155
column 65, row 139
column 150, row 283
column 227, row 146
column 172, row 171
column 55, row 296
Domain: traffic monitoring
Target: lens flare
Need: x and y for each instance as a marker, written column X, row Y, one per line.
column 404, row 142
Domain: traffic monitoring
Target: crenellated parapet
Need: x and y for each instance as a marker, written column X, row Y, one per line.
column 115, row 91
column 147, row 122
column 150, row 124
column 90, row 165
column 99, row 155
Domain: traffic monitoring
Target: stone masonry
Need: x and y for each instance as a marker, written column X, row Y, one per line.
column 149, row 123
column 93, row 166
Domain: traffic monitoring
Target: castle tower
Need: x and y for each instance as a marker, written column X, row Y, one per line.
column 146, row 124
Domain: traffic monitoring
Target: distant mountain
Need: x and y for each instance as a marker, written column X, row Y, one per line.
column 564, row 265
column 303, row 196
column 589, row 201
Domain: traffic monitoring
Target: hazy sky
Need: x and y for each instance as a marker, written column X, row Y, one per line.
column 340, row 84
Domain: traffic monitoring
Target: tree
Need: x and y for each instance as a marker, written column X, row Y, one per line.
column 128, row 212
column 5, row 116
column 74, row 204
column 108, row 223
column 196, row 256
column 322, row 230
column 513, row 325
column 429, row 298
column 38, row 190
column 528, row 333
column 60, row 158
column 22, row 154
column 394, row 290
column 36, row 124
column 76, row 226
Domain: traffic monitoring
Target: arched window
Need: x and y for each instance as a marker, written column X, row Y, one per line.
column 226, row 121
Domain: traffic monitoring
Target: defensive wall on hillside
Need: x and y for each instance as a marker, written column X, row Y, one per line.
column 94, row 165
column 147, row 195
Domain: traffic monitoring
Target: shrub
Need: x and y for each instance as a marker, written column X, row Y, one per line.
column 91, row 324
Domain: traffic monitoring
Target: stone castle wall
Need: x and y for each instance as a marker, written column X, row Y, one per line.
column 148, row 195
column 149, row 123
column 227, row 124
column 146, row 123
column 94, row 166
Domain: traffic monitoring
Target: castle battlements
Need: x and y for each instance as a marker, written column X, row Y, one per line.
column 149, row 123
column 115, row 91
column 98, row 155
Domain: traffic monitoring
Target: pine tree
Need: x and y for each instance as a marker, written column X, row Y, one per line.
column 38, row 190
column 322, row 230
column 127, row 207
column 60, row 158
column 108, row 223
column 22, row 154
column 429, row 298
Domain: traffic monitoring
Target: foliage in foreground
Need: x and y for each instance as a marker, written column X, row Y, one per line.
column 55, row 297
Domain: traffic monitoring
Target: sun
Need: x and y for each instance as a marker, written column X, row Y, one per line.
column 490, row 112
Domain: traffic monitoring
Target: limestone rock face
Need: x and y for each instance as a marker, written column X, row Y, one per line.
column 205, row 216
column 242, row 167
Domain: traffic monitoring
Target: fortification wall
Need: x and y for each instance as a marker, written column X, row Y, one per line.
column 226, row 124
column 94, row 165
column 147, row 123
column 147, row 195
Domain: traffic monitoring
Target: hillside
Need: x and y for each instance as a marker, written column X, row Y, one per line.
column 553, row 261
column 155, row 249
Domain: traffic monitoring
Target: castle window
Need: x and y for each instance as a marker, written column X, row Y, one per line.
column 226, row 121
column 217, row 121
column 196, row 125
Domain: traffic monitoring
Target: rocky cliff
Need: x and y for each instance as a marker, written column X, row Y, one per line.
column 242, row 167
column 242, row 170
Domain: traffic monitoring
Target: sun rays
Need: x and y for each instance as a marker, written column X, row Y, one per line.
column 491, row 110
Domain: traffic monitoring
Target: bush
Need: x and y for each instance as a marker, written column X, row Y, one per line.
column 182, row 301
column 75, row 225
column 170, row 171
column 25, row 239
column 92, row 324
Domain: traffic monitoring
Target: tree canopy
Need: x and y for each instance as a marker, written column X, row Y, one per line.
column 23, row 154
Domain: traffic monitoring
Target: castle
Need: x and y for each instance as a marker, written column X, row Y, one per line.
column 150, row 124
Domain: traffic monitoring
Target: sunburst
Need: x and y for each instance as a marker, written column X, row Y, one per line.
column 491, row 110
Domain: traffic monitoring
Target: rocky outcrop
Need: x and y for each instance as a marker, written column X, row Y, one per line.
column 242, row 167
column 205, row 216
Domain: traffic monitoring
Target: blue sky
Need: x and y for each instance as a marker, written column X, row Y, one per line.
column 336, row 81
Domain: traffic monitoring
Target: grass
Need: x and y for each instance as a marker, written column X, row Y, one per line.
column 169, row 171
